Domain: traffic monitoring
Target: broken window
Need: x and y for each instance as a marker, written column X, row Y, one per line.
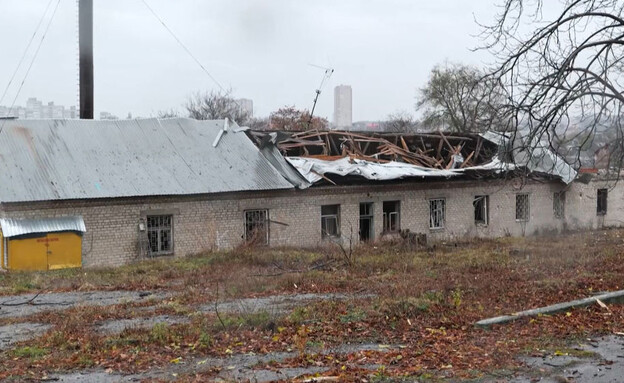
column 559, row 204
column 160, row 234
column 366, row 221
column 330, row 221
column 257, row 227
column 522, row 207
column 391, row 216
column 437, row 209
column 601, row 202
column 481, row 209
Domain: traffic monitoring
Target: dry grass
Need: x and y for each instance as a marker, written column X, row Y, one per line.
column 427, row 299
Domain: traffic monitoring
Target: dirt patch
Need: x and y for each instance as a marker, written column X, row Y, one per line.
column 116, row 326
column 19, row 332
column 24, row 305
column 238, row 367
column 277, row 304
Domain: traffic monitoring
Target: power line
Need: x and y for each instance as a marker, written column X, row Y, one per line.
column 19, row 64
column 45, row 33
column 184, row 46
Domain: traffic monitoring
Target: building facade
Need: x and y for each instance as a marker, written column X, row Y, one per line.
column 168, row 188
column 441, row 211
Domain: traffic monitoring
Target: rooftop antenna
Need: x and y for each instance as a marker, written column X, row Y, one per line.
column 326, row 76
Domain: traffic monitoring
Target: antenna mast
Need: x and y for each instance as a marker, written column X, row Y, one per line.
column 326, row 76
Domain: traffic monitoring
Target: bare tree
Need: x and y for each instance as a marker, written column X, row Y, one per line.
column 258, row 123
column 562, row 64
column 216, row 106
column 460, row 98
column 290, row 118
column 171, row 113
column 400, row 122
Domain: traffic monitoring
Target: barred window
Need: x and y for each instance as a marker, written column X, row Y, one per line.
column 559, row 204
column 257, row 227
column 437, row 213
column 481, row 205
column 391, row 216
column 601, row 202
column 160, row 234
column 522, row 207
column 330, row 221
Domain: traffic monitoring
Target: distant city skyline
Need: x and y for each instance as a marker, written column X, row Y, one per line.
column 36, row 109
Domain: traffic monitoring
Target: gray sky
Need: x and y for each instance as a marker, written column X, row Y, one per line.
column 384, row 49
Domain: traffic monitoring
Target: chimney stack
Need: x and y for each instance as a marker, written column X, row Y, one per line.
column 85, row 41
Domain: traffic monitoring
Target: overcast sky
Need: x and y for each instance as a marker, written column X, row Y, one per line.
column 262, row 49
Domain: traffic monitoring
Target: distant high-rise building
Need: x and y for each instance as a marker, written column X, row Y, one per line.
column 246, row 106
column 343, row 108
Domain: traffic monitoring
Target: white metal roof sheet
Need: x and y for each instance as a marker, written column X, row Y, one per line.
column 44, row 160
column 15, row 227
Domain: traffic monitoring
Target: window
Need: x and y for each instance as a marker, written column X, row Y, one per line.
column 366, row 221
column 559, row 204
column 330, row 221
column 436, row 213
column 257, row 227
column 481, row 205
column 159, row 234
column 522, row 207
column 391, row 216
column 601, row 202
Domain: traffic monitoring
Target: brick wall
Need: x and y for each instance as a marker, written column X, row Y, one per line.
column 217, row 222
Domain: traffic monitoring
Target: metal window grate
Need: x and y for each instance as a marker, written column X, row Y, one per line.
column 522, row 207
column 391, row 216
column 160, row 234
column 559, row 205
column 481, row 209
column 601, row 201
column 330, row 221
column 257, row 227
column 437, row 212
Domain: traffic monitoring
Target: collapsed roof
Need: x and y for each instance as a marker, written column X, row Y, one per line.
column 320, row 156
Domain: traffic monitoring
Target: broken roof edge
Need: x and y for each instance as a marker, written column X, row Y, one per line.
column 314, row 170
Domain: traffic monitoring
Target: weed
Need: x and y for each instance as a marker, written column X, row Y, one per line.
column 160, row 333
column 30, row 352
column 353, row 315
column 456, row 295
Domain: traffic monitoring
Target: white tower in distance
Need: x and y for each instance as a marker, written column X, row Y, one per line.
column 343, row 109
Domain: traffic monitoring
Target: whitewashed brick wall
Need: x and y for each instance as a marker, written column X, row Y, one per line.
column 217, row 222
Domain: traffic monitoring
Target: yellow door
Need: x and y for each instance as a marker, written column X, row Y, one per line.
column 46, row 252
column 64, row 250
column 27, row 254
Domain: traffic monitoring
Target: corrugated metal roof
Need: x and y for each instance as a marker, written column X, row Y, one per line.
column 82, row 159
column 15, row 227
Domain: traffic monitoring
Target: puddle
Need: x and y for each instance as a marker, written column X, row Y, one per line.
column 606, row 366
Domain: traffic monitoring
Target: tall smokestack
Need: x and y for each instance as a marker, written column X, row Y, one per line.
column 85, row 31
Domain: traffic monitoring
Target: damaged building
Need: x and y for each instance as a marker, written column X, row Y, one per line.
column 102, row 193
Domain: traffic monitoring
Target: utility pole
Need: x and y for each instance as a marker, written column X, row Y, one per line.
column 85, row 42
